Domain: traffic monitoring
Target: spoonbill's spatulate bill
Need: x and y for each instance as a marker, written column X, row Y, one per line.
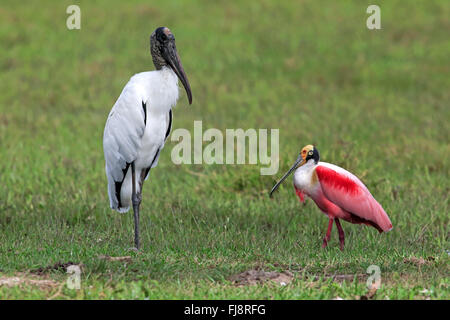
column 139, row 124
column 337, row 192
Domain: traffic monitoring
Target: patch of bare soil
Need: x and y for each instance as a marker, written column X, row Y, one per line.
column 21, row 279
column 59, row 266
column 255, row 276
column 418, row 261
column 108, row 258
column 258, row 275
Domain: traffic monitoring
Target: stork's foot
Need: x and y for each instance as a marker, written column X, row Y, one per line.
column 133, row 249
column 325, row 242
column 136, row 226
column 136, row 200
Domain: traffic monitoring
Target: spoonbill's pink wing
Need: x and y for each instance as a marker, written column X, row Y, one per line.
column 348, row 192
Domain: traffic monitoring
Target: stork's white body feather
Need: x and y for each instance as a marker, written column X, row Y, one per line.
column 136, row 130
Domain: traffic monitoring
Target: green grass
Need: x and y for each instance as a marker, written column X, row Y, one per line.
column 374, row 102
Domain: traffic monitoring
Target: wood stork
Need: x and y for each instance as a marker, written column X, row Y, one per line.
column 337, row 192
column 139, row 124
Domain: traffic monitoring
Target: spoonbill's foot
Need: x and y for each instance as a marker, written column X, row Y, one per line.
column 341, row 234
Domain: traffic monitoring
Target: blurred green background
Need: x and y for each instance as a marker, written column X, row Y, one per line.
column 375, row 102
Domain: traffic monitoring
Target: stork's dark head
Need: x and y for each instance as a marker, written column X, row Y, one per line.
column 164, row 54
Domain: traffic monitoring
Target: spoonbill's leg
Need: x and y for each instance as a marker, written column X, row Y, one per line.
column 341, row 233
column 136, row 200
column 328, row 235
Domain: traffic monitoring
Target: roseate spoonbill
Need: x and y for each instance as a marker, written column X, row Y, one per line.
column 337, row 192
column 139, row 124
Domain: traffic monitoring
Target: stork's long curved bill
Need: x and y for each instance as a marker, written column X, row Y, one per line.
column 297, row 162
column 173, row 59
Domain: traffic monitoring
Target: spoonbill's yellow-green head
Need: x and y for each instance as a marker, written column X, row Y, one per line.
column 164, row 54
column 307, row 153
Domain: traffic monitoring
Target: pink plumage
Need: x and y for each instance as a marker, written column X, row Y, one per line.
column 300, row 194
column 348, row 192
column 338, row 193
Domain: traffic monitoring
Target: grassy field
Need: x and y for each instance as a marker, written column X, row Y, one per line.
column 373, row 102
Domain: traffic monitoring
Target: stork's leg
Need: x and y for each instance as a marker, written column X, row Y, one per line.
column 341, row 233
column 328, row 235
column 136, row 200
